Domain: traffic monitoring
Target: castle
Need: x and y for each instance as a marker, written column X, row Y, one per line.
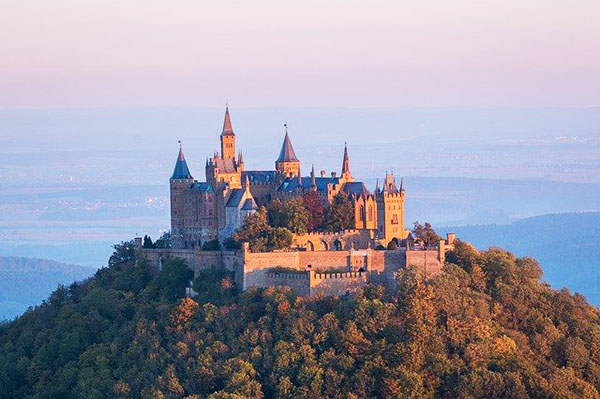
column 215, row 208
column 319, row 262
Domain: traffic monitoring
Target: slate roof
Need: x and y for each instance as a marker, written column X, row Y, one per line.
column 355, row 188
column 291, row 184
column 224, row 165
column 236, row 197
column 203, row 186
column 249, row 205
column 287, row 153
column 259, row 176
column 181, row 170
column 227, row 127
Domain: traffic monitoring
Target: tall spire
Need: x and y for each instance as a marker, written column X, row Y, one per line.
column 377, row 186
column 227, row 127
column 346, row 162
column 402, row 184
column 287, row 153
column 181, row 170
column 313, row 180
column 240, row 158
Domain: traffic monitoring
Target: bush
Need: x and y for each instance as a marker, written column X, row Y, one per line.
column 212, row 245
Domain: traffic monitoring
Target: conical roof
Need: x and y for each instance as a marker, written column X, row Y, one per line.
column 227, row 127
column 181, row 170
column 287, row 153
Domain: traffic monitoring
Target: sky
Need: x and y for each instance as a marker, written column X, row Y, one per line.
column 379, row 53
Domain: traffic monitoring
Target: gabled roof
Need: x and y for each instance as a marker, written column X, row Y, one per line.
column 355, row 188
column 249, row 205
column 287, row 153
column 181, row 170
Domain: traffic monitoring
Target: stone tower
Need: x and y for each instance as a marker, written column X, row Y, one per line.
column 227, row 137
column 390, row 210
column 287, row 163
column 179, row 182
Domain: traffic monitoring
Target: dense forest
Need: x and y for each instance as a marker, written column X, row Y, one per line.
column 485, row 328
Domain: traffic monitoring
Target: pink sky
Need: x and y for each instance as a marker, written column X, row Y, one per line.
column 80, row 53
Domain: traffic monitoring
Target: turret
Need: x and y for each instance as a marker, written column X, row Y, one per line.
column 180, row 181
column 287, row 163
column 390, row 209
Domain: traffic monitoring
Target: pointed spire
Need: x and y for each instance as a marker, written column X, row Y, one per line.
column 402, row 184
column 287, row 153
column 346, row 163
column 181, row 170
column 377, row 186
column 227, row 127
column 206, row 162
column 313, row 180
column 247, row 184
column 240, row 158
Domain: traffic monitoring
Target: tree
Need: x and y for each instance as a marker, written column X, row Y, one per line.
column 165, row 241
column 124, row 253
column 425, row 233
column 313, row 203
column 147, row 243
column 260, row 236
column 173, row 279
column 212, row 245
column 340, row 215
column 290, row 214
column 255, row 230
column 280, row 238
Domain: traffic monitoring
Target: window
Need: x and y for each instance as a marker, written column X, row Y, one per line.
column 394, row 219
column 370, row 217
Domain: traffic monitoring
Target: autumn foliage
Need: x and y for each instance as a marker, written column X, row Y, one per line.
column 484, row 328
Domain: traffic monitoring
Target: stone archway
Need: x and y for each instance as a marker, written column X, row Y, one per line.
column 325, row 245
column 337, row 245
column 310, row 246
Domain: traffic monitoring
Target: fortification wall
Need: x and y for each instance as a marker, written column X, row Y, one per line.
column 195, row 259
column 324, row 284
column 298, row 282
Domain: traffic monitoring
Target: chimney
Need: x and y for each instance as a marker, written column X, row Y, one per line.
column 323, row 173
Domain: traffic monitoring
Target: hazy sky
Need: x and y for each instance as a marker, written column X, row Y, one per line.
column 64, row 53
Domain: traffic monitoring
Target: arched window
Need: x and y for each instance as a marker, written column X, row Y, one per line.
column 362, row 213
column 370, row 212
column 337, row 245
column 310, row 246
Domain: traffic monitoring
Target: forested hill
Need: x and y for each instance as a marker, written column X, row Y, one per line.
column 26, row 282
column 485, row 328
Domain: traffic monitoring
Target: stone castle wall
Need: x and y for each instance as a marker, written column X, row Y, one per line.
column 356, row 267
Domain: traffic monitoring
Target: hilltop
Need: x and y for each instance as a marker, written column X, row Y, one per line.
column 484, row 328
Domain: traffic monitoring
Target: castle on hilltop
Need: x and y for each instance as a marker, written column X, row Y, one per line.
column 319, row 262
column 215, row 208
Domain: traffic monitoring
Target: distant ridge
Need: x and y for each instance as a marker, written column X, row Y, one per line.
column 567, row 244
column 26, row 282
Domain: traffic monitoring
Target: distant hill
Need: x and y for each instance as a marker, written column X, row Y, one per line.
column 26, row 282
column 567, row 245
